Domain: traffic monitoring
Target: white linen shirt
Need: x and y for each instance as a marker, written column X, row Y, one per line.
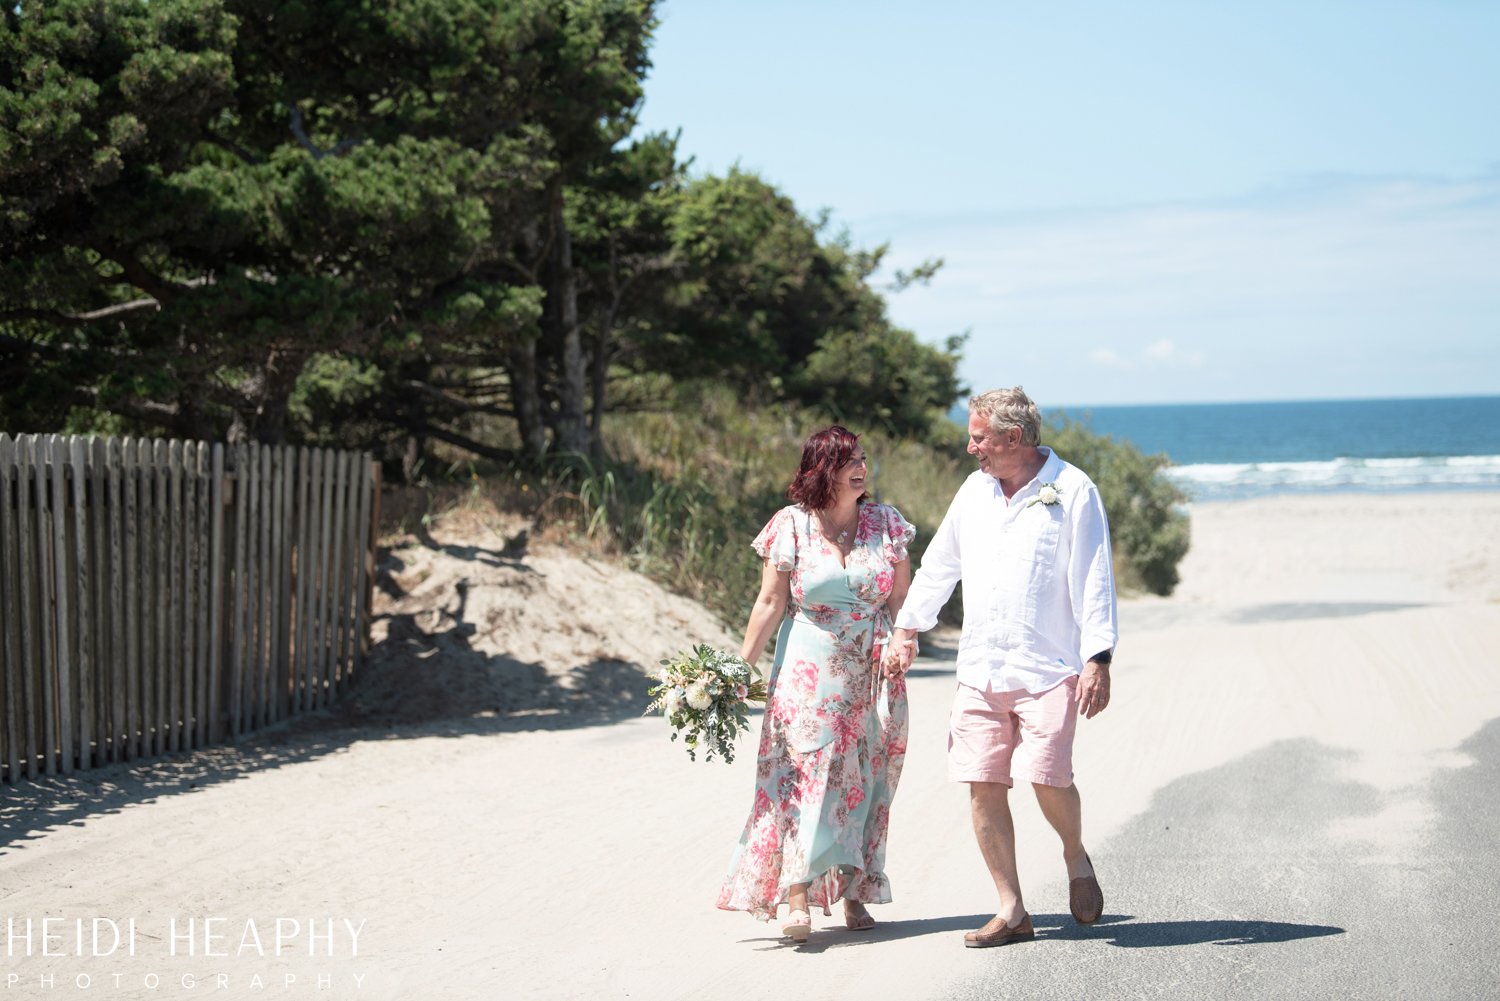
column 1039, row 587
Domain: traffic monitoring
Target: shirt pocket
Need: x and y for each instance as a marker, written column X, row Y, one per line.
column 1033, row 536
column 1033, row 547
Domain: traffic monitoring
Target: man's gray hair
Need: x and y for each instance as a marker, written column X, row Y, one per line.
column 1004, row 409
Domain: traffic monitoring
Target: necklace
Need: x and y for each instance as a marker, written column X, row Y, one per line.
column 842, row 540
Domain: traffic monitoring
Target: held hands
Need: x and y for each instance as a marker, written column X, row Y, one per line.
column 899, row 653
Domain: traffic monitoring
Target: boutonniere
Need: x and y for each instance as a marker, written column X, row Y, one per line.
column 1047, row 494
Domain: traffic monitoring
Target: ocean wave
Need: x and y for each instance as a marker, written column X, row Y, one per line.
column 1235, row 480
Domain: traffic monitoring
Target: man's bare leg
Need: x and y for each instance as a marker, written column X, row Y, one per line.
column 989, row 803
column 1063, row 809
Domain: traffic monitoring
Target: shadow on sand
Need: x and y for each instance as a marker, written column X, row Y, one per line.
column 415, row 683
column 1282, row 849
column 1120, row 930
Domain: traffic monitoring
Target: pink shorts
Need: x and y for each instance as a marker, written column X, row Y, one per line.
column 1004, row 736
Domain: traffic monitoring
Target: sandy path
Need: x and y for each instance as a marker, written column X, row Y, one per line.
column 1333, row 650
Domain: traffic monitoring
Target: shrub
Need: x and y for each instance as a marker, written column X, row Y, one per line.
column 1148, row 528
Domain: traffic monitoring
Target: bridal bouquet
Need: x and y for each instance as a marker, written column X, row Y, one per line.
column 705, row 696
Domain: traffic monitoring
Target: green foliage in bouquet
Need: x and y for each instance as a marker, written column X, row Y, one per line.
column 705, row 695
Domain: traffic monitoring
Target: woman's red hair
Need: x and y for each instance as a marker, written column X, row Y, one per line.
column 823, row 455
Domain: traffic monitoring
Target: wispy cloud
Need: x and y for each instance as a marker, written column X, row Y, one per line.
column 1108, row 358
column 1165, row 352
column 1332, row 286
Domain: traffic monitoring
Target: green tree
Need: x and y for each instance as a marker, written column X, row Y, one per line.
column 100, row 105
column 199, row 197
column 393, row 225
column 623, row 252
column 871, row 373
column 1148, row 528
column 755, row 290
column 763, row 300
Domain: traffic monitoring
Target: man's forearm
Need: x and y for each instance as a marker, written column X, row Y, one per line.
column 930, row 588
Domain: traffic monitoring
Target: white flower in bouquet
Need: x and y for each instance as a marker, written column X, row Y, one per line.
column 705, row 693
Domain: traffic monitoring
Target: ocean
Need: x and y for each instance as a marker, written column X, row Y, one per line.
column 1228, row 451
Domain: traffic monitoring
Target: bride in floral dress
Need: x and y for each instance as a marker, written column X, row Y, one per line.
column 834, row 735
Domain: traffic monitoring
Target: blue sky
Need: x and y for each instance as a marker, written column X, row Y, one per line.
column 1137, row 203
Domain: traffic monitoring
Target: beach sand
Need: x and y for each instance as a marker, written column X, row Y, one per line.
column 1286, row 798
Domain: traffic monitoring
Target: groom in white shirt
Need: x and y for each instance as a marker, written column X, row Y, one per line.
column 1027, row 535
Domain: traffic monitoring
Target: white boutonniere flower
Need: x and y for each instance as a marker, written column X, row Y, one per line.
column 1047, row 495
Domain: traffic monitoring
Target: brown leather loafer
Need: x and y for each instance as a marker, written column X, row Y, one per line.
column 1019, row 932
column 1085, row 898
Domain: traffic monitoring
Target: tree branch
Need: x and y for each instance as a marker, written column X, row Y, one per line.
column 235, row 148
column 456, row 402
column 45, row 315
column 161, row 289
column 55, row 352
column 342, row 147
column 115, row 310
column 163, row 415
column 919, row 275
column 454, row 438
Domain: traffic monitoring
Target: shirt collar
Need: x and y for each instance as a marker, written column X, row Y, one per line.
column 1052, row 467
column 1050, row 470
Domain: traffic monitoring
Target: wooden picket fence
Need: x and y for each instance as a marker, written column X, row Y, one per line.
column 164, row 595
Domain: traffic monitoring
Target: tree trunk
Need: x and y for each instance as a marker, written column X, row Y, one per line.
column 411, row 458
column 193, row 422
column 600, row 374
column 271, row 394
column 572, row 424
column 601, row 349
column 526, row 399
column 409, row 409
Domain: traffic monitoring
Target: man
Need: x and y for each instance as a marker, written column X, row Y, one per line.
column 1028, row 537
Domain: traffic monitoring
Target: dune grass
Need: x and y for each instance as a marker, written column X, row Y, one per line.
column 680, row 492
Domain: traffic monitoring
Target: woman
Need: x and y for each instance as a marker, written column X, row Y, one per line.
column 835, row 573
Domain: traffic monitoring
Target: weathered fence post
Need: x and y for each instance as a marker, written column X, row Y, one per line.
column 137, row 621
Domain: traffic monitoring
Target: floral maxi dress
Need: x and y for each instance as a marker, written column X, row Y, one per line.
column 834, row 735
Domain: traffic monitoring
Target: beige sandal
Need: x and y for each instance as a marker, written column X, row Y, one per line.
column 797, row 926
column 861, row 920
